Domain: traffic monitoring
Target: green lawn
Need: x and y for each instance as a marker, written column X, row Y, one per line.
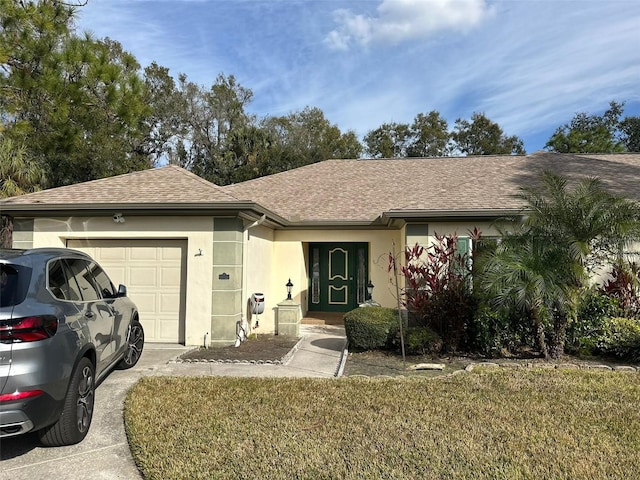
column 496, row 424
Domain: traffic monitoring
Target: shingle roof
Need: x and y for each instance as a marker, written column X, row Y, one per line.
column 356, row 191
column 169, row 184
column 361, row 190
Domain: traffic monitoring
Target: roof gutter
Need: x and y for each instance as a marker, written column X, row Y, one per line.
column 249, row 210
column 430, row 215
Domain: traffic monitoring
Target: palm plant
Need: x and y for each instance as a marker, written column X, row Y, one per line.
column 18, row 175
column 543, row 264
column 528, row 273
column 594, row 225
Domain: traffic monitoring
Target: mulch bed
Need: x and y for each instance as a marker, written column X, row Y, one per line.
column 385, row 363
column 268, row 348
column 273, row 348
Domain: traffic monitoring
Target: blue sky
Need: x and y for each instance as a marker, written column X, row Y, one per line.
column 529, row 65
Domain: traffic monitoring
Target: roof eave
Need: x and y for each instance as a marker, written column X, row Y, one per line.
column 248, row 210
column 431, row 215
column 334, row 224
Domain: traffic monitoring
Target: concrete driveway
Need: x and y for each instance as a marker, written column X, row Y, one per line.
column 104, row 453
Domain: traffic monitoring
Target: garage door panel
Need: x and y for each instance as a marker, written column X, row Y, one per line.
column 142, row 253
column 166, row 330
column 170, row 254
column 146, row 303
column 117, row 274
column 143, row 277
column 150, row 331
column 170, row 277
column 154, row 274
column 113, row 254
column 169, row 301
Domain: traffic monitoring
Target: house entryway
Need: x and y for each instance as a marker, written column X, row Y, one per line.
column 323, row 318
column 338, row 276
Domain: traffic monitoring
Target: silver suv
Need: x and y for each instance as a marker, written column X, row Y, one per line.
column 63, row 327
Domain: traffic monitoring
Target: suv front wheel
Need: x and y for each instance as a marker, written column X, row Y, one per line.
column 74, row 423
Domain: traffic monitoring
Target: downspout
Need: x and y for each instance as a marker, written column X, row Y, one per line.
column 242, row 327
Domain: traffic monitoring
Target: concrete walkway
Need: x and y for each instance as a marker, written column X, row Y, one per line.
column 318, row 354
column 104, row 453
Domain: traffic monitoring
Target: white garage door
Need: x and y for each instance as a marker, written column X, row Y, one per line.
column 154, row 274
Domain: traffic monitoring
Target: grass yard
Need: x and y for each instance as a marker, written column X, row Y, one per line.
column 497, row 424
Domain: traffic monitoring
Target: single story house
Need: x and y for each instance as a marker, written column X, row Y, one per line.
column 192, row 253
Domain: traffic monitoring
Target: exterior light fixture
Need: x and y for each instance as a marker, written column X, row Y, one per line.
column 370, row 289
column 289, row 286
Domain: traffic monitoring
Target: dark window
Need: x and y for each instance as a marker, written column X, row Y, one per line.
column 14, row 284
column 102, row 280
column 58, row 284
column 61, row 282
column 80, row 273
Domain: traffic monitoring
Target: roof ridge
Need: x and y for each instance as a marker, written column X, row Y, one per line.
column 192, row 175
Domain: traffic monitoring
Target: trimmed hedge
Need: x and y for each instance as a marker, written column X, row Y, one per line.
column 422, row 341
column 595, row 310
column 371, row 328
column 622, row 339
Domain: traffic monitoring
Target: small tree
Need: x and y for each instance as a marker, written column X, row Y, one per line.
column 437, row 290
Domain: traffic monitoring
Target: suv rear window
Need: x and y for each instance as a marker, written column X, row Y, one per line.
column 14, row 284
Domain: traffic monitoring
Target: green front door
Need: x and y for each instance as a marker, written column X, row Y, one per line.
column 338, row 276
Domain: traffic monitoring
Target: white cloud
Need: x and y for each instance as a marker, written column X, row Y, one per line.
column 398, row 21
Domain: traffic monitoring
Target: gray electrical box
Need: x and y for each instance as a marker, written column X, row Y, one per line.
column 257, row 303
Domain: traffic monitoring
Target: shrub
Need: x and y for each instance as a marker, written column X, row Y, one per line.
column 594, row 311
column 437, row 288
column 624, row 285
column 494, row 330
column 422, row 341
column 371, row 328
column 450, row 313
column 622, row 339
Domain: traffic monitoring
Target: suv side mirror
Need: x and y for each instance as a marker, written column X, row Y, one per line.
column 122, row 291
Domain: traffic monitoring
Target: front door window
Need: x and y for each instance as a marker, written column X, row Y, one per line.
column 338, row 276
column 315, row 276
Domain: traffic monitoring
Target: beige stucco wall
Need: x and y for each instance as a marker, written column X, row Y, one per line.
column 290, row 250
column 259, row 260
column 259, row 277
column 461, row 228
column 197, row 231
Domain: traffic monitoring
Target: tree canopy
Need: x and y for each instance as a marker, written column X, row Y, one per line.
column 429, row 136
column 83, row 109
column 606, row 133
column 75, row 103
column 79, row 108
column 481, row 136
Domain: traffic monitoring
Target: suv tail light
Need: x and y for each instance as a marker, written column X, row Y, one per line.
column 28, row 329
column 12, row 397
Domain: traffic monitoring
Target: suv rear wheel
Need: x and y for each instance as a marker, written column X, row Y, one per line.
column 74, row 423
